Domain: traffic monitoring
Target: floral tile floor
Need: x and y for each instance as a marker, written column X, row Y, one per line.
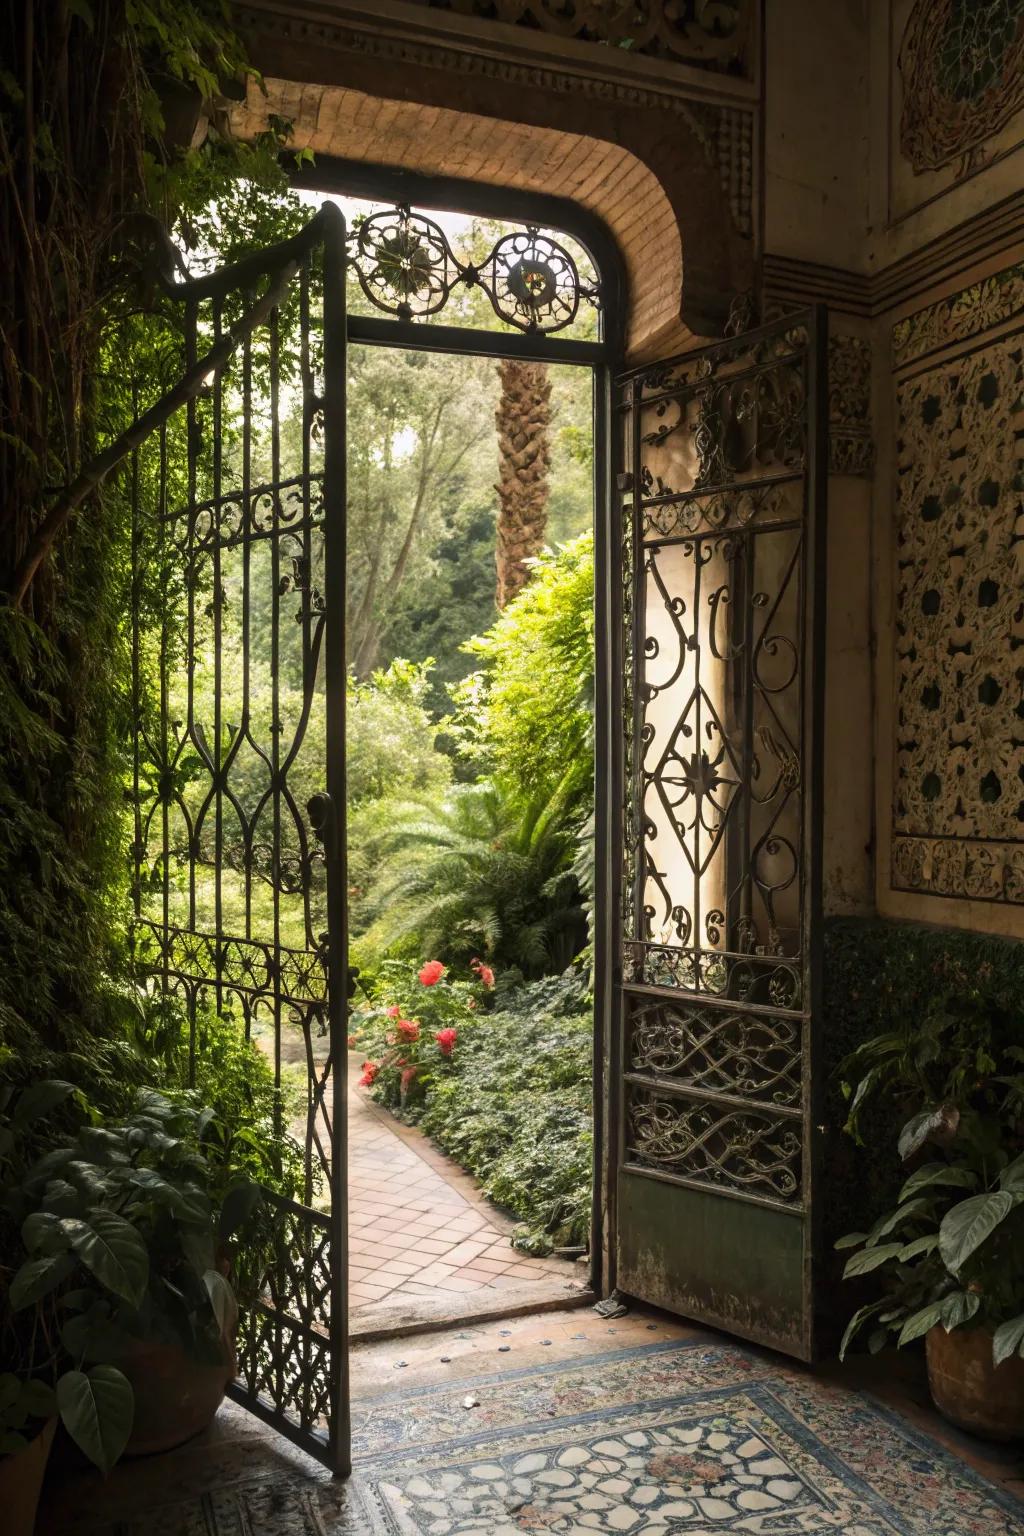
column 678, row 1431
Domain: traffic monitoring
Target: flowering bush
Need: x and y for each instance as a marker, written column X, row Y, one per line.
column 410, row 1030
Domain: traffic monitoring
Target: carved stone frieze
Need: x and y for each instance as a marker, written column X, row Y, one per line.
column 851, row 447
column 962, row 68
column 968, row 313
column 707, row 34
column 958, row 801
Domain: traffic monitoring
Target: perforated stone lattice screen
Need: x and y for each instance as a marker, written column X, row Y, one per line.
column 958, row 803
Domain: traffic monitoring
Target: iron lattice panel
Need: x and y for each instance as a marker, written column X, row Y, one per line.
column 234, row 710
column 715, row 772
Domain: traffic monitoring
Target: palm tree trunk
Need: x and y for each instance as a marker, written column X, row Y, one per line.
column 523, row 417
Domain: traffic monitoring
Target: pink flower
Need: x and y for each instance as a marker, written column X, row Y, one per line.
column 431, row 973
column 446, row 1039
column 408, row 1029
column 370, row 1070
column 353, row 1041
column 394, row 1012
column 484, row 972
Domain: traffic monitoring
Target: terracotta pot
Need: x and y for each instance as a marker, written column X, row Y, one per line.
column 176, row 1397
column 21, row 1482
column 969, row 1390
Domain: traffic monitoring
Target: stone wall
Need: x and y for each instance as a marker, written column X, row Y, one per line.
column 918, row 136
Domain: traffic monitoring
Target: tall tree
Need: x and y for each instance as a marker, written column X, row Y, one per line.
column 523, row 417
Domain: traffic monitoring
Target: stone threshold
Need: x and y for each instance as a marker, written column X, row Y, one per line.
column 390, row 1318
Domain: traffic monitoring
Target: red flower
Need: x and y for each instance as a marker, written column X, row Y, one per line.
column 446, row 1039
column 394, row 1012
column 408, row 1029
column 431, row 973
column 484, row 972
column 352, row 1042
column 408, row 1077
column 370, row 1070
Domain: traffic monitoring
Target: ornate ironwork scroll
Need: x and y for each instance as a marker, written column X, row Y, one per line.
column 718, row 529
column 958, row 797
column 407, row 267
column 236, row 508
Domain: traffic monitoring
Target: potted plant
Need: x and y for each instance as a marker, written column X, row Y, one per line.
column 118, row 1304
column 949, row 1255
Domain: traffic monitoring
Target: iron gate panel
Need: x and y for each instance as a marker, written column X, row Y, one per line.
column 239, row 693
column 722, row 554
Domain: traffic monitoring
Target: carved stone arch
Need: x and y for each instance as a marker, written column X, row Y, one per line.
column 663, row 175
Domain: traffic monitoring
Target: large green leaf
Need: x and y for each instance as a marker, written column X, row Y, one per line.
column 41, row 1230
column 938, row 1173
column 1008, row 1339
column 222, row 1300
column 38, row 1278
column 239, row 1204
column 958, row 1308
column 870, row 1258
column 1012, row 1177
column 968, row 1224
column 939, row 1124
column 920, row 1322
column 853, row 1326
column 40, row 1099
column 885, row 1224
column 97, row 1408
column 111, row 1248
column 920, row 1245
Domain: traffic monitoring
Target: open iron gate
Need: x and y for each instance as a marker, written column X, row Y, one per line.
column 238, row 680
column 722, row 636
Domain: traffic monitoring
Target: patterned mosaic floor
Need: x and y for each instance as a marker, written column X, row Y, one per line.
column 692, row 1436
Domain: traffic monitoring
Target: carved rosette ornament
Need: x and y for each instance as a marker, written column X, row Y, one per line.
column 962, row 67
column 958, row 802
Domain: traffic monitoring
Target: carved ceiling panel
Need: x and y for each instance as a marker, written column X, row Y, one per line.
column 706, row 34
column 958, row 803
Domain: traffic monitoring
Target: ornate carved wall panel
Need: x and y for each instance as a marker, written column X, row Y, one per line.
column 851, row 447
column 957, row 101
column 710, row 34
column 962, row 66
column 958, row 800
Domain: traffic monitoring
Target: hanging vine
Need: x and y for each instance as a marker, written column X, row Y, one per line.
column 112, row 123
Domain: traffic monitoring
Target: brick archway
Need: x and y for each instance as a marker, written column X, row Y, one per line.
column 642, row 170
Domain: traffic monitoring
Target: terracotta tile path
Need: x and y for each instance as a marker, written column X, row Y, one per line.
column 421, row 1233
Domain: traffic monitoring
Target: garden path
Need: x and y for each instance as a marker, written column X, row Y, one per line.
column 424, row 1242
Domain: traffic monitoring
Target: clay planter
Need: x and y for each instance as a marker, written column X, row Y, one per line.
column 21, row 1482
column 969, row 1390
column 176, row 1397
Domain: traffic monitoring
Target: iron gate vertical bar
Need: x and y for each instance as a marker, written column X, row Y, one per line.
column 334, row 412
column 815, row 564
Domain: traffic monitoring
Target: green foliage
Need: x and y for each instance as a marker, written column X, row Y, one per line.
column 390, row 749
column 113, row 1235
column 516, row 1108
column 954, row 1244
column 481, row 874
column 528, row 712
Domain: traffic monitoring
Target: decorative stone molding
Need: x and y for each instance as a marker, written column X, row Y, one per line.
column 962, row 68
column 707, row 34
column 725, row 130
column 968, row 313
column 958, row 795
column 851, row 447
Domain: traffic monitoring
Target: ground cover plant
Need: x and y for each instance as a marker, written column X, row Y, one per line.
column 500, row 1076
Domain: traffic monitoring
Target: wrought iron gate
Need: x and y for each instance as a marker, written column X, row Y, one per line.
column 238, row 681
column 722, row 561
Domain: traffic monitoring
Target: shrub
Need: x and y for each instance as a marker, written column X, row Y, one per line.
column 411, row 1027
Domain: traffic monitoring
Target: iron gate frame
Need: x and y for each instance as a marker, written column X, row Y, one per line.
column 628, row 657
column 340, row 329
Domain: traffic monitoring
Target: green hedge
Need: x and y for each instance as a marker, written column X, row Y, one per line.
column 517, row 1107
